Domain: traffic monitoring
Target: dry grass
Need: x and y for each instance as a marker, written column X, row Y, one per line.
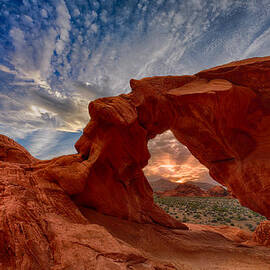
column 210, row 211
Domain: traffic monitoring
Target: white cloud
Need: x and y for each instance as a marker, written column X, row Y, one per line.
column 63, row 24
column 44, row 13
column 41, row 141
column 6, row 69
column 59, row 75
column 258, row 43
column 94, row 28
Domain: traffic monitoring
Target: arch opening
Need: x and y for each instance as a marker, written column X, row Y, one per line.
column 184, row 189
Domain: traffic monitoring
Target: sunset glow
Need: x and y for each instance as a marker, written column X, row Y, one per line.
column 173, row 161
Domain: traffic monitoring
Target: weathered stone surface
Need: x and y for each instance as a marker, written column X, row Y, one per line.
column 200, row 247
column 13, row 152
column 262, row 233
column 41, row 228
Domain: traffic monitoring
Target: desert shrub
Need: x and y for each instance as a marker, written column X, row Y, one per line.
column 250, row 226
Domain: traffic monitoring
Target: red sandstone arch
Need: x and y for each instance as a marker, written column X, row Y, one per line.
column 222, row 115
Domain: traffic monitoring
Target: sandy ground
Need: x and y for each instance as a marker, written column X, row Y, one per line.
column 200, row 248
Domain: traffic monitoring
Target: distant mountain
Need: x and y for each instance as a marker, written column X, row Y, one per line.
column 184, row 190
column 202, row 185
column 190, row 189
column 163, row 184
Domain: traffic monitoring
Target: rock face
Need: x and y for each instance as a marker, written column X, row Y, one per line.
column 42, row 228
column 13, row 152
column 262, row 233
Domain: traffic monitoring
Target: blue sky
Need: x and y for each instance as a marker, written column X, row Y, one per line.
column 57, row 55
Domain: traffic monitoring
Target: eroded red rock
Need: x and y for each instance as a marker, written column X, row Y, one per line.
column 222, row 115
column 226, row 125
column 13, row 152
column 218, row 191
column 262, row 233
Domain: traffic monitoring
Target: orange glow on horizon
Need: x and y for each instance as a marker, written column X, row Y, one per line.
column 167, row 168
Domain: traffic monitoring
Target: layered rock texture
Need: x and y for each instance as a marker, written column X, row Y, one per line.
column 222, row 115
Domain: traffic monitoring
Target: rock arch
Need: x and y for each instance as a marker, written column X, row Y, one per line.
column 222, row 115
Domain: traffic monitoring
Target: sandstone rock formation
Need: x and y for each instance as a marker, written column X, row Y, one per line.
column 222, row 115
column 262, row 233
column 41, row 228
column 13, row 152
column 218, row 191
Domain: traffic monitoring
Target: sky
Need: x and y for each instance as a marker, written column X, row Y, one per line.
column 58, row 55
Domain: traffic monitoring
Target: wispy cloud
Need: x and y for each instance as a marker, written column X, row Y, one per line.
column 56, row 56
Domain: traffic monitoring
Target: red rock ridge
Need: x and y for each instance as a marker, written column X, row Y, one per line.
column 191, row 190
column 184, row 190
column 13, row 152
